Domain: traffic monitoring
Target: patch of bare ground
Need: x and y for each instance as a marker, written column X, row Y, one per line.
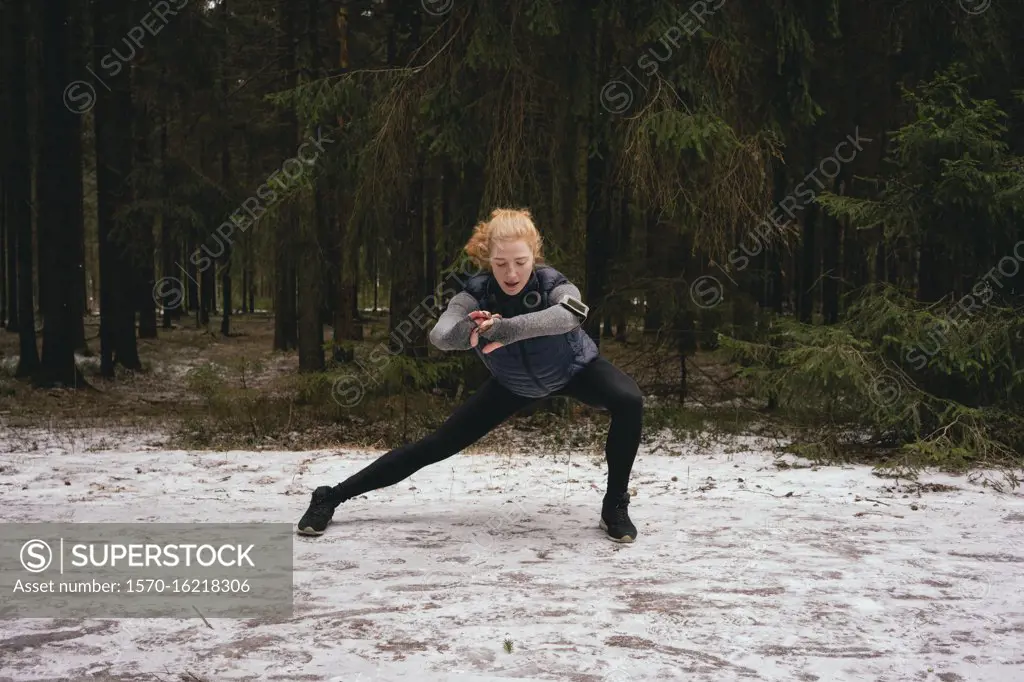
column 659, row 602
column 700, row 660
column 12, row 645
column 400, row 648
column 1000, row 558
column 199, row 389
column 779, row 651
column 752, row 591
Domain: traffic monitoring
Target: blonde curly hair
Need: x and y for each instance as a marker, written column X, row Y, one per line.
column 505, row 224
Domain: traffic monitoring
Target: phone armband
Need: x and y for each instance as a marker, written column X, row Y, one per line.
column 575, row 305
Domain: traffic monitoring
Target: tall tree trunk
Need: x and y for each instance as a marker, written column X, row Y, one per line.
column 225, row 175
column 831, row 257
column 333, row 247
column 19, row 187
column 345, row 320
column 311, row 330
column 11, row 233
column 286, row 334
column 684, row 323
column 251, row 292
column 375, row 273
column 854, row 260
column 625, row 250
column 430, row 218
column 114, row 159
column 245, row 282
column 172, row 286
column 932, row 265
column 686, row 342
column 310, row 275
column 225, row 279
column 596, row 240
column 598, row 213
column 337, row 290
column 891, row 256
column 144, row 254
column 207, row 293
column 774, row 296
column 191, row 275
column 76, row 194
column 808, row 260
column 3, row 232
column 449, row 189
column 613, row 205
column 60, row 225
column 354, row 276
column 6, row 273
column 596, row 250
column 808, row 270
column 407, row 273
column 654, row 257
column 285, row 322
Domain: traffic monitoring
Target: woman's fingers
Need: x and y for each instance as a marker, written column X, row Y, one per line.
column 480, row 316
column 474, row 336
column 484, row 321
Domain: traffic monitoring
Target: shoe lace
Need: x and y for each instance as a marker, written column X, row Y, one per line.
column 322, row 506
column 619, row 511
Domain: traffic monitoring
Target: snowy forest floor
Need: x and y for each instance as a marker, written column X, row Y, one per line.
column 742, row 571
column 489, row 566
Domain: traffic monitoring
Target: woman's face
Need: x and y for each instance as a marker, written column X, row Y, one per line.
column 512, row 264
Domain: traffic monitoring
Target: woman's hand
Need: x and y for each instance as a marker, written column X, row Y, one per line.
column 484, row 321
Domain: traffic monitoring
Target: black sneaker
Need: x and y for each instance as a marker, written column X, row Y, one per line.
column 320, row 512
column 615, row 521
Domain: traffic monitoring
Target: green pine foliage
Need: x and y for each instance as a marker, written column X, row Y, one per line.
column 942, row 382
column 950, row 166
column 962, row 408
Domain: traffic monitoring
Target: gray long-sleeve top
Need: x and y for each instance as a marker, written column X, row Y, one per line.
column 454, row 326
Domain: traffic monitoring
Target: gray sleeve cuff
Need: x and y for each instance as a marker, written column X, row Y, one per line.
column 453, row 327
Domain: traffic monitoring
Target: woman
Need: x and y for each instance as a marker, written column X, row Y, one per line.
column 524, row 320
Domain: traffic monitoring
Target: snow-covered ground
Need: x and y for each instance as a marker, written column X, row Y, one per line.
column 742, row 571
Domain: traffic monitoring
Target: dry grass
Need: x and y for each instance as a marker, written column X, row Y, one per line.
column 200, row 389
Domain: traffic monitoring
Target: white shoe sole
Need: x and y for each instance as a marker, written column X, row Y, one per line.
column 308, row 530
column 624, row 538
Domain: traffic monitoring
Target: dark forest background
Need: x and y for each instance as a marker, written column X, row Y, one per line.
column 792, row 212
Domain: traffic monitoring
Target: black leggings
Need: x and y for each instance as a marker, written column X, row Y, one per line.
column 599, row 384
